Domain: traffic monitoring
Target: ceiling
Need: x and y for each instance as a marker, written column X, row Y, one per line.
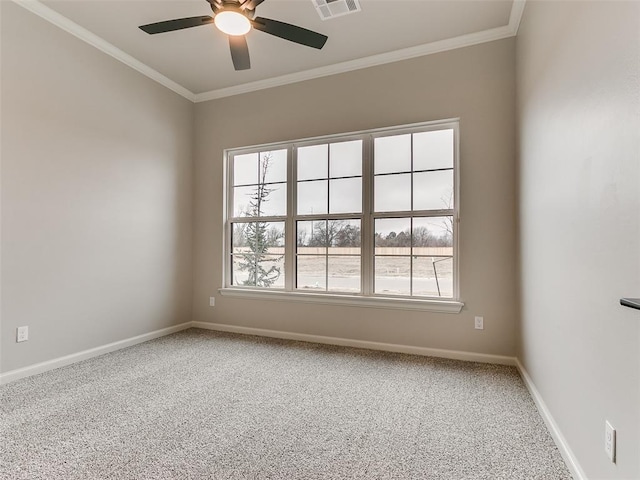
column 196, row 62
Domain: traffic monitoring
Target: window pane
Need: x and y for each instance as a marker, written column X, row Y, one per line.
column 346, row 159
column 245, row 169
column 313, row 162
column 273, row 166
column 392, row 154
column 433, row 236
column 273, row 238
column 393, row 193
column 265, row 271
column 239, row 243
column 239, row 274
column 311, row 272
column 393, row 236
column 274, row 202
column 260, row 200
column 344, row 237
column 258, row 238
column 433, row 190
column 312, row 197
column 433, row 276
column 312, row 237
column 345, row 195
column 242, row 199
column 433, row 150
column 344, row 274
column 393, row 275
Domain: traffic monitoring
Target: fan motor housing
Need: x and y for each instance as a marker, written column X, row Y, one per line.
column 230, row 6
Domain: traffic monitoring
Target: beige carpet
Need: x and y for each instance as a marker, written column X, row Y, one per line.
column 206, row 405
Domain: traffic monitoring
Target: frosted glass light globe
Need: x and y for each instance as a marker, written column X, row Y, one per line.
column 232, row 23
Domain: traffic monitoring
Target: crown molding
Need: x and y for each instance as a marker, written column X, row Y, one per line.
column 34, row 6
column 517, row 9
column 372, row 61
column 468, row 40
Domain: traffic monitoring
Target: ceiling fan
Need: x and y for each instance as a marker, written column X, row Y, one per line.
column 236, row 18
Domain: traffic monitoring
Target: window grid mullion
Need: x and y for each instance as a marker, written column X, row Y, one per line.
column 328, row 177
column 387, row 174
column 257, row 219
column 417, row 213
column 307, row 180
column 411, row 256
column 228, row 273
column 411, row 222
column 366, row 227
column 326, row 223
column 326, row 255
column 290, row 243
column 334, row 216
column 456, row 211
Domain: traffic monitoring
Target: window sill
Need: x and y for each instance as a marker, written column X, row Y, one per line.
column 426, row 305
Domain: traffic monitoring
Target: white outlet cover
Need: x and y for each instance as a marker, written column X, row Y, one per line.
column 610, row 441
column 479, row 323
column 212, row 301
column 22, row 334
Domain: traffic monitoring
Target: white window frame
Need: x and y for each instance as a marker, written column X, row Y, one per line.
column 367, row 297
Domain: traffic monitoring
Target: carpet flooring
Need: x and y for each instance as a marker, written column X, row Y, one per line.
column 207, row 405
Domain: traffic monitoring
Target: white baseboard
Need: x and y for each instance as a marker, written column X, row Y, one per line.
column 567, row 454
column 19, row 373
column 344, row 342
column 37, row 368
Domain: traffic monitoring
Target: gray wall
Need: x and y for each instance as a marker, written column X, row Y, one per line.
column 578, row 71
column 96, row 196
column 476, row 84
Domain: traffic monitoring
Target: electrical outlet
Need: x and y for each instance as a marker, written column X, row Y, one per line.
column 479, row 323
column 22, row 334
column 610, row 441
column 212, row 301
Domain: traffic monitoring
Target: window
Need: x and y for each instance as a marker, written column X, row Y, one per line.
column 369, row 215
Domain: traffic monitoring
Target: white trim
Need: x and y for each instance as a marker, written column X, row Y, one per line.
column 366, row 297
column 517, row 9
column 468, row 40
column 37, row 368
column 42, row 367
column 346, row 136
column 345, row 342
column 427, row 305
column 34, row 6
column 461, row 41
column 561, row 442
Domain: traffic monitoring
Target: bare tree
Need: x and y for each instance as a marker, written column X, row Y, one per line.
column 335, row 233
column 422, row 237
column 448, row 221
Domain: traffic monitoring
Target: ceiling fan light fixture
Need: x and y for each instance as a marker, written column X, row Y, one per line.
column 232, row 23
column 235, row 18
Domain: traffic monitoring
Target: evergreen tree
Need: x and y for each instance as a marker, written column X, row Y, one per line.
column 258, row 237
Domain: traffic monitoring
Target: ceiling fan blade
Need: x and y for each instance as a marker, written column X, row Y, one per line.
column 290, row 32
column 251, row 4
column 177, row 24
column 239, row 52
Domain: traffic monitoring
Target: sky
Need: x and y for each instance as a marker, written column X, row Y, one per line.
column 323, row 188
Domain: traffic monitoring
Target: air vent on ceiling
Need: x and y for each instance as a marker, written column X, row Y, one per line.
column 335, row 8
